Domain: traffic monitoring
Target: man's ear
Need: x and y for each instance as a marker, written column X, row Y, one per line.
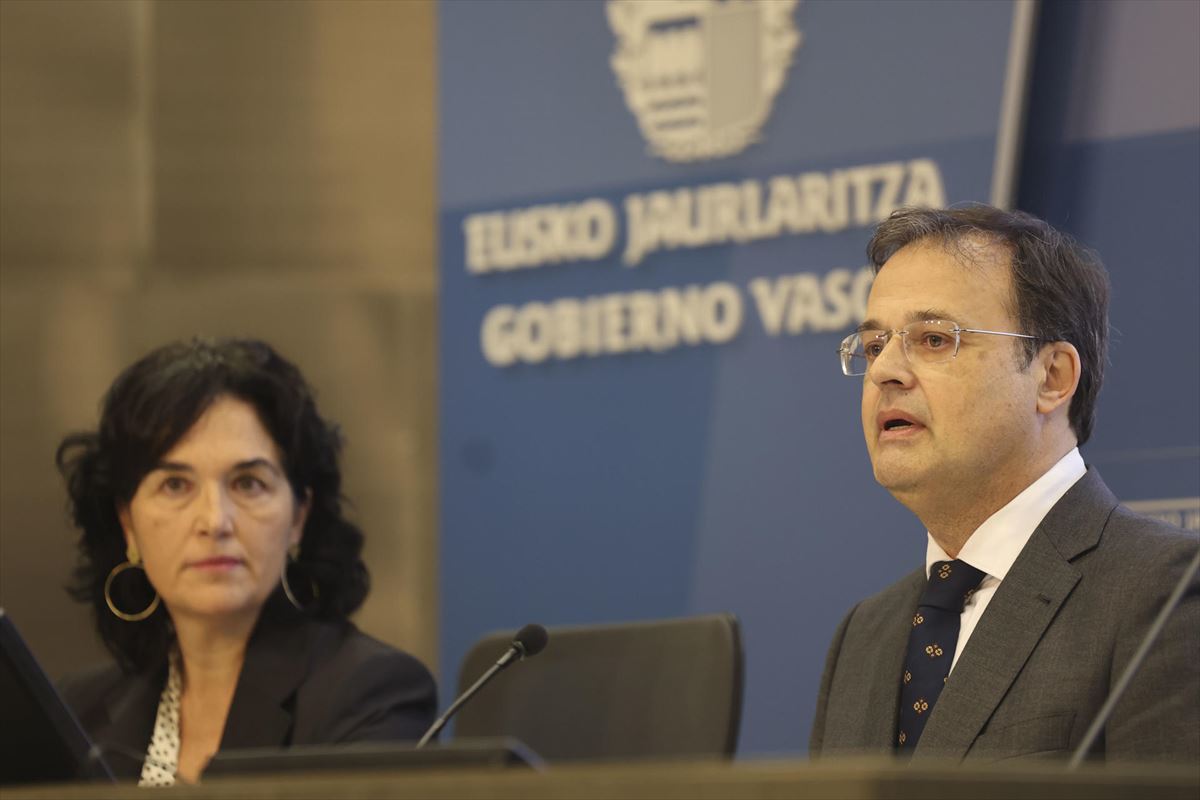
column 1059, row 373
column 299, row 518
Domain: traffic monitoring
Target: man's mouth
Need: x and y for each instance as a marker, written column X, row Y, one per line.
column 897, row 424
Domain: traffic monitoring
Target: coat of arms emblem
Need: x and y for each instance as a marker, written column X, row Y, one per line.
column 701, row 75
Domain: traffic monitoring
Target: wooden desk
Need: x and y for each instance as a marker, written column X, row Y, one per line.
column 695, row 780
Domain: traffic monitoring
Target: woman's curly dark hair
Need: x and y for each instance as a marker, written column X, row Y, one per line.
column 146, row 411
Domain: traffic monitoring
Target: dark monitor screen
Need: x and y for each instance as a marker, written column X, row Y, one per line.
column 40, row 739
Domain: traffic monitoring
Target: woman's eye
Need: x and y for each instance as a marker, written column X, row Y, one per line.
column 174, row 484
column 249, row 484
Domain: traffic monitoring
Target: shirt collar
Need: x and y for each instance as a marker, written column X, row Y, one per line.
column 995, row 544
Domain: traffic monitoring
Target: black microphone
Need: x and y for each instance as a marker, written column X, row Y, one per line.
column 1135, row 664
column 528, row 642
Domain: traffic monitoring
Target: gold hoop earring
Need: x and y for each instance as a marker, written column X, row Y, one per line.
column 139, row 616
column 287, row 590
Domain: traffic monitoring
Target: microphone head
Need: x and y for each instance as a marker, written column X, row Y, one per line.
column 531, row 640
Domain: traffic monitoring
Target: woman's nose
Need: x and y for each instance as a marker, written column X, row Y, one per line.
column 214, row 517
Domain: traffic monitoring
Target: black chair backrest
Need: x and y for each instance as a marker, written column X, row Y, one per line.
column 660, row 689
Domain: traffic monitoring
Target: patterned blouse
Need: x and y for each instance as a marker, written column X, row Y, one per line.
column 162, row 756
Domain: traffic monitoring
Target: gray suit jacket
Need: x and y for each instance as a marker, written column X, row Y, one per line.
column 1052, row 643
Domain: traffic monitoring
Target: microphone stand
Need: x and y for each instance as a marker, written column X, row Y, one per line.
column 529, row 642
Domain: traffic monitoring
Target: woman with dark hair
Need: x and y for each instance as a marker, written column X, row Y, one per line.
column 221, row 571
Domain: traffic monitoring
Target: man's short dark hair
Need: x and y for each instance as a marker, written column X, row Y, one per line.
column 1060, row 287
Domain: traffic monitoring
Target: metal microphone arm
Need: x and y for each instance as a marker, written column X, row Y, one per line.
column 1134, row 664
column 529, row 642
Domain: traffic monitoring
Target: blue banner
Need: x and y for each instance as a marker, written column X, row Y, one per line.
column 652, row 229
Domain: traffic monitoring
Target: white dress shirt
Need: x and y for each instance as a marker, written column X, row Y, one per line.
column 995, row 544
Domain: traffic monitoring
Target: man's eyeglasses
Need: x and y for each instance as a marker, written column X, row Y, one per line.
column 933, row 341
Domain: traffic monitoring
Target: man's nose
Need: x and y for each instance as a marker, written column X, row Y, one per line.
column 214, row 517
column 892, row 364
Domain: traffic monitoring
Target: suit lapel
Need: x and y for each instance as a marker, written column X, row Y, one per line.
column 276, row 662
column 1024, row 605
column 1017, row 616
column 891, row 640
column 864, row 695
column 131, row 711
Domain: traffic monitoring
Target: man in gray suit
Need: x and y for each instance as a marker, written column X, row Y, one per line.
column 981, row 357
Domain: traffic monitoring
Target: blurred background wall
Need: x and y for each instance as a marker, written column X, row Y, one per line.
column 252, row 168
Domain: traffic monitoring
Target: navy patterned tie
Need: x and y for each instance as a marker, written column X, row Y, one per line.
column 931, row 646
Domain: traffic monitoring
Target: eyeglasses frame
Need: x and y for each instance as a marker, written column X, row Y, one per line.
column 957, row 330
